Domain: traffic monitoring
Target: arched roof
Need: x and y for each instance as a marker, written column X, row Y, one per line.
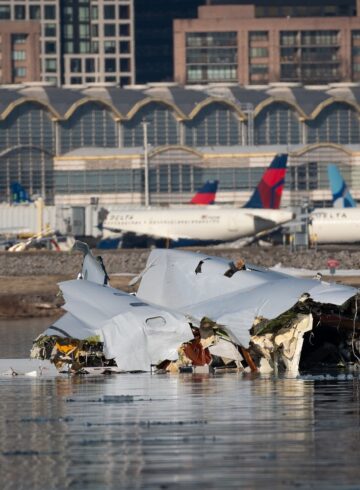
column 212, row 100
column 13, row 149
column 167, row 148
column 315, row 146
column 26, row 100
column 278, row 100
column 185, row 101
column 331, row 101
column 89, row 100
column 142, row 103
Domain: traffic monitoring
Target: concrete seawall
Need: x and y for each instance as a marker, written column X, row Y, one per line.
column 39, row 263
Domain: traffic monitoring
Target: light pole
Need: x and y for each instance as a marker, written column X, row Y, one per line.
column 146, row 164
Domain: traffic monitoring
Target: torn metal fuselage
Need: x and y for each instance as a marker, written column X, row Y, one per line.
column 280, row 320
column 194, row 311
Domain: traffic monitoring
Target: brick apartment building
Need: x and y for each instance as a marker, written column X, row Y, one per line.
column 317, row 43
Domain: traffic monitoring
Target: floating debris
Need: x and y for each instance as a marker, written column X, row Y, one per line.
column 196, row 313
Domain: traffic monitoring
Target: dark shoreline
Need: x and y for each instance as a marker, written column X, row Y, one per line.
column 39, row 263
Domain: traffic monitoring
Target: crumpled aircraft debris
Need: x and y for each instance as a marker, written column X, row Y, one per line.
column 194, row 312
column 278, row 321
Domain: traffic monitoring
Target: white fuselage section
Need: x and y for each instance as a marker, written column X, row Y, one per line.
column 208, row 223
column 335, row 225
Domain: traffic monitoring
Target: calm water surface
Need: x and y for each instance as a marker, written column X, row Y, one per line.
column 186, row 431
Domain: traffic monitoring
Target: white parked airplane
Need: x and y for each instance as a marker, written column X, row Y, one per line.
column 341, row 223
column 335, row 225
column 210, row 224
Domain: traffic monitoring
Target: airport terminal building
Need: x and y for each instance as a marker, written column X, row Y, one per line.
column 97, row 143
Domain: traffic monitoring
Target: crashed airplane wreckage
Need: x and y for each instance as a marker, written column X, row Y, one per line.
column 193, row 312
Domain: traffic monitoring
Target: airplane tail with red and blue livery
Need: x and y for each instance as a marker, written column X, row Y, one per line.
column 267, row 194
column 206, row 194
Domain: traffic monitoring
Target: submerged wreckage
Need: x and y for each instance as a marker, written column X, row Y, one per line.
column 193, row 312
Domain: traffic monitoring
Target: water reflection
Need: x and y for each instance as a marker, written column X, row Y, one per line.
column 218, row 432
column 17, row 336
column 201, row 431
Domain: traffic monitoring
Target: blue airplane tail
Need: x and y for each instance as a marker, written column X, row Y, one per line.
column 206, row 194
column 18, row 193
column 268, row 193
column 340, row 193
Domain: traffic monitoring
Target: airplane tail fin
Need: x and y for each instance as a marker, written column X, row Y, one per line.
column 340, row 193
column 18, row 193
column 268, row 193
column 206, row 194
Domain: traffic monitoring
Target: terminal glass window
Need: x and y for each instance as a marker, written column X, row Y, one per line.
column 304, row 177
column 98, row 181
column 277, row 124
column 215, row 125
column 36, row 175
column 27, row 125
column 337, row 123
column 163, row 128
column 90, row 125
